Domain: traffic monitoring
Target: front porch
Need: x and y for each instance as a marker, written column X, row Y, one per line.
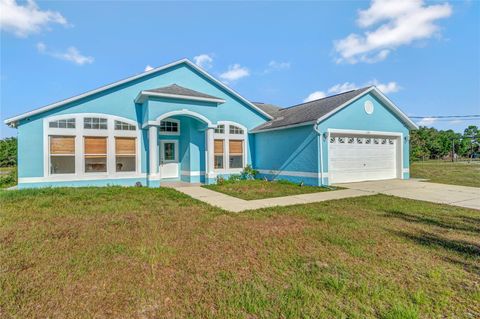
column 180, row 149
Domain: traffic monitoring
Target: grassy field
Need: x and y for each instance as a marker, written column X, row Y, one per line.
column 258, row 189
column 457, row 173
column 156, row 253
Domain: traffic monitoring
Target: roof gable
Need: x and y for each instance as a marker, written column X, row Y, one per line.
column 319, row 110
column 14, row 120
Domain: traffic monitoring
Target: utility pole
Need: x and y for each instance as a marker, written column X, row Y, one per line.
column 453, row 150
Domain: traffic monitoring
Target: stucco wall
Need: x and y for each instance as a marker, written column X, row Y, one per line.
column 119, row 101
column 288, row 154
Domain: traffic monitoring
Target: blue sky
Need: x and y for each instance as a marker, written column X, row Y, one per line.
column 425, row 55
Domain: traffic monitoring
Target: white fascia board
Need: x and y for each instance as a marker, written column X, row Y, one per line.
column 380, row 95
column 12, row 121
column 144, row 94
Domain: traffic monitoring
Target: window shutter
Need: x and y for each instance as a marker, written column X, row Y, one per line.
column 95, row 146
column 124, row 146
column 236, row 147
column 64, row 145
column 218, row 147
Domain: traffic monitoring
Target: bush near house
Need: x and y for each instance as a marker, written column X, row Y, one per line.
column 8, row 152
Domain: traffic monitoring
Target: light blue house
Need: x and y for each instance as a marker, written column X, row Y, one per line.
column 179, row 123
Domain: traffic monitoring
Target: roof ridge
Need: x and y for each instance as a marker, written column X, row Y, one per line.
column 326, row 97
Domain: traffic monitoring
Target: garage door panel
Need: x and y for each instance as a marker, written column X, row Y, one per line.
column 360, row 158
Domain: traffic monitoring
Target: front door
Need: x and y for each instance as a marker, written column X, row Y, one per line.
column 169, row 159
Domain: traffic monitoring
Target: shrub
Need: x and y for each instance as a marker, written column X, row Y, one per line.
column 248, row 173
column 234, row 177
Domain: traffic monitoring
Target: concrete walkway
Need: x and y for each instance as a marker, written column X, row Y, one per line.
column 234, row 204
column 462, row 196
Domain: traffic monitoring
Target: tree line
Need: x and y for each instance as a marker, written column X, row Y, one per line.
column 430, row 143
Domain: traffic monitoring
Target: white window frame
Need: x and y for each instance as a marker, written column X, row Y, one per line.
column 226, row 147
column 169, row 133
column 79, row 133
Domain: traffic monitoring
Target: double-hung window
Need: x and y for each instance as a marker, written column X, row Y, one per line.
column 218, row 156
column 95, row 154
column 125, row 154
column 235, row 154
column 62, row 154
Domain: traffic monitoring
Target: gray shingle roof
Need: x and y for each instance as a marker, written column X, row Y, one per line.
column 309, row 111
column 270, row 109
column 180, row 90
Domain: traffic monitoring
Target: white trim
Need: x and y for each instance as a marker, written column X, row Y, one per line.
column 143, row 95
column 184, row 112
column 292, row 173
column 12, row 121
column 363, row 132
column 169, row 133
column 284, row 127
column 381, row 96
column 73, row 178
column 397, row 135
column 79, row 133
column 192, row 173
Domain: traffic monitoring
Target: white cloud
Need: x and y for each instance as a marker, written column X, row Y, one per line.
column 277, row 66
column 395, row 23
column 148, row 67
column 315, row 96
column 339, row 88
column 426, row 121
column 203, row 60
column 26, row 19
column 235, row 72
column 71, row 54
column 390, row 87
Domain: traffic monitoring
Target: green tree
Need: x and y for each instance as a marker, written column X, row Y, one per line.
column 8, row 152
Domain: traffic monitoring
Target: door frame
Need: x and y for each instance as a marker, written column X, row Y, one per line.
column 397, row 135
column 162, row 161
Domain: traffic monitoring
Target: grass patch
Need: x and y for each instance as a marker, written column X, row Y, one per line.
column 8, row 177
column 456, row 173
column 156, row 253
column 259, row 189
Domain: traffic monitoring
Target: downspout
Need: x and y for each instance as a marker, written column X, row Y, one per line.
column 320, row 146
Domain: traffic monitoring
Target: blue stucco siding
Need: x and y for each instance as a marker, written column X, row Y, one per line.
column 119, row 101
column 288, row 150
column 354, row 117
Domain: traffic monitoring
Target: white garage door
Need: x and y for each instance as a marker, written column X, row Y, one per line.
column 361, row 158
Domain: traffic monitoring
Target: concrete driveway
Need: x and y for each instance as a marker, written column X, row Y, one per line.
column 462, row 196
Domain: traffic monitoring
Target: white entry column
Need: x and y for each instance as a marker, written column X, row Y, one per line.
column 210, row 173
column 153, row 151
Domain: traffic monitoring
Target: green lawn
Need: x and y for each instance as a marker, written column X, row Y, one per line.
column 155, row 253
column 458, row 173
column 258, row 189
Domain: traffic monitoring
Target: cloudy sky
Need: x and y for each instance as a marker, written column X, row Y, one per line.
column 423, row 55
